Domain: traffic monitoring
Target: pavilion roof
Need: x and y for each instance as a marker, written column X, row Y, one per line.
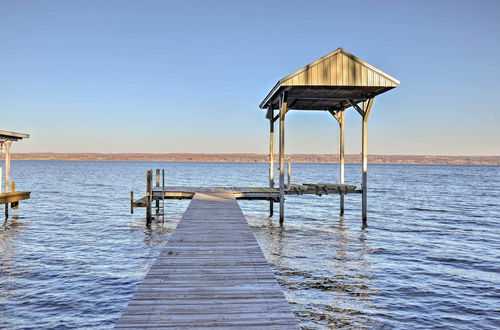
column 12, row 136
column 327, row 84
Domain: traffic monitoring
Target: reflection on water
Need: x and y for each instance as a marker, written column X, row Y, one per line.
column 9, row 231
column 324, row 270
column 73, row 256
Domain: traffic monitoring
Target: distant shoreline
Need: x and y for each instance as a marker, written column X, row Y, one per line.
column 260, row 158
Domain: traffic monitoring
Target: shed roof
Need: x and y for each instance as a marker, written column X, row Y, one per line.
column 328, row 82
column 12, row 136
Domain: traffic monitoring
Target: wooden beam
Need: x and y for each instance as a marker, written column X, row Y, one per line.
column 149, row 195
column 7, row 145
column 284, row 109
column 340, row 118
column 367, row 106
column 335, row 114
column 289, row 174
column 157, row 184
column 269, row 113
column 271, row 157
column 131, row 202
column 276, row 117
column 291, row 104
column 357, row 107
column 328, row 98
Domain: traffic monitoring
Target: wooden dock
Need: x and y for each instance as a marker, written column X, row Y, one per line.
column 10, row 196
column 212, row 273
column 246, row 193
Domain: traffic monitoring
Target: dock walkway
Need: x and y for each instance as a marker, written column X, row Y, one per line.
column 212, row 273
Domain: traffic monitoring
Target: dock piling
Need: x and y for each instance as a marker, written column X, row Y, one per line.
column 341, row 156
column 149, row 195
column 284, row 109
column 367, row 106
column 13, row 205
column 163, row 196
column 157, row 185
column 271, row 156
column 131, row 202
column 289, row 174
column 7, row 145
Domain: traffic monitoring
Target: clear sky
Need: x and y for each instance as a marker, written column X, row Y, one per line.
column 188, row 76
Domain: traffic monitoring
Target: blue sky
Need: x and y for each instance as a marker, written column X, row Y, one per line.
column 188, row 76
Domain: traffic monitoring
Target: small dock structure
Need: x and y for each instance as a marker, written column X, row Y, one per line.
column 333, row 83
column 211, row 274
column 9, row 195
column 154, row 199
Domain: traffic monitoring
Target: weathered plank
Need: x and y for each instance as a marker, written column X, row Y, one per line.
column 212, row 273
column 14, row 196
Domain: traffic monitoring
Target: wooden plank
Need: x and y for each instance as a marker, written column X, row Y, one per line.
column 210, row 274
column 15, row 196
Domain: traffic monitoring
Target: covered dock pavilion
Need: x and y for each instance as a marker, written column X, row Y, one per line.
column 10, row 195
column 333, row 83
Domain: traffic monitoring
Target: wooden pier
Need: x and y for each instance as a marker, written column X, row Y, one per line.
column 10, row 196
column 155, row 196
column 211, row 273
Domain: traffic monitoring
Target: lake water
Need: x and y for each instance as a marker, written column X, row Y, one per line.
column 72, row 256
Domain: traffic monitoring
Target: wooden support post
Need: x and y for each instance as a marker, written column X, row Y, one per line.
column 341, row 155
column 163, row 195
column 149, row 179
column 131, row 202
column 157, row 178
column 13, row 205
column 339, row 115
column 289, row 174
column 157, row 184
column 367, row 106
column 284, row 109
column 1, row 179
column 271, row 158
column 7, row 145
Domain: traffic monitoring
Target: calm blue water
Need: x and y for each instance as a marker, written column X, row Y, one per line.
column 72, row 256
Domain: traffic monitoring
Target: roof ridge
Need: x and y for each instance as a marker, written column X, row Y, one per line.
column 331, row 54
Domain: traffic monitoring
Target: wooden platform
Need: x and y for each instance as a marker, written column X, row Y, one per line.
column 250, row 193
column 14, row 196
column 212, row 273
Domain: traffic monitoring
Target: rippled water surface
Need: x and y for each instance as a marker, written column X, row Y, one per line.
column 72, row 256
